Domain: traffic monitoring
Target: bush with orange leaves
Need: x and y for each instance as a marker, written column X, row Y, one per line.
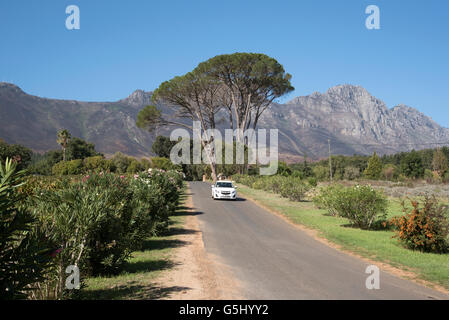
column 424, row 228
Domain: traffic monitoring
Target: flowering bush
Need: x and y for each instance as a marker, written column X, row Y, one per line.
column 160, row 190
column 68, row 167
column 362, row 205
column 293, row 189
column 328, row 199
column 96, row 221
column 424, row 228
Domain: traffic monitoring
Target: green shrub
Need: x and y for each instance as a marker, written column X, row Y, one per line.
column 109, row 165
column 72, row 167
column 274, row 184
column 328, row 198
column 134, row 167
column 97, row 163
column 24, row 259
column 412, row 165
column 120, row 162
column 245, row 179
column 321, row 173
column 259, row 184
column 313, row 182
column 169, row 184
column 293, row 189
column 146, row 164
column 283, row 169
column 18, row 153
column 43, row 164
column 428, row 175
column 362, row 205
column 424, row 228
column 351, row 173
column 96, row 221
column 163, row 164
column 297, row 174
column 86, row 222
column 446, row 177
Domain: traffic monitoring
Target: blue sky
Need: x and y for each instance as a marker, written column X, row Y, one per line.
column 128, row 45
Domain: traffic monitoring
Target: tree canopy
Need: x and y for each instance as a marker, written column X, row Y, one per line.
column 374, row 169
column 162, row 146
column 243, row 84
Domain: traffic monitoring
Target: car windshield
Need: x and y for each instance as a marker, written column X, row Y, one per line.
column 224, row 185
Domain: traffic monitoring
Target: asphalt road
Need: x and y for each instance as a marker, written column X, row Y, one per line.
column 272, row 259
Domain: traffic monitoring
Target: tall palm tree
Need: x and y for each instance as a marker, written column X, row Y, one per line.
column 63, row 140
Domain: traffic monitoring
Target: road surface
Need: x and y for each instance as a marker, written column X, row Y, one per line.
column 272, row 259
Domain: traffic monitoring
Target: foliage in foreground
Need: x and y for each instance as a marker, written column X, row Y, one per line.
column 95, row 222
column 23, row 257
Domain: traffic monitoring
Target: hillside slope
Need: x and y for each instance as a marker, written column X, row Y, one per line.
column 349, row 116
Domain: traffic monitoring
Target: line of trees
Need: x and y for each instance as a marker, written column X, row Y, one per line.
column 431, row 164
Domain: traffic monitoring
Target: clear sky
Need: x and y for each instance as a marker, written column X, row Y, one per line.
column 136, row 44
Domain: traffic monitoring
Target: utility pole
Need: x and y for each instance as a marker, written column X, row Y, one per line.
column 330, row 159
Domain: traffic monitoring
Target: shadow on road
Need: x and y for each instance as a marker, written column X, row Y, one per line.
column 237, row 199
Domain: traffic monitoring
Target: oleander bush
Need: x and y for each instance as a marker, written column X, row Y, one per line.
column 135, row 166
column 294, row 189
column 245, row 179
column 424, row 227
column 361, row 205
column 95, row 221
column 96, row 164
column 24, row 254
column 72, row 167
column 167, row 185
column 328, row 199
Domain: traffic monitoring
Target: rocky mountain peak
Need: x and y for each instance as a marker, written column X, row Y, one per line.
column 355, row 121
column 347, row 91
column 138, row 98
column 10, row 88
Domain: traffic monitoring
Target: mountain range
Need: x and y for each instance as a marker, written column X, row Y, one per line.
column 347, row 116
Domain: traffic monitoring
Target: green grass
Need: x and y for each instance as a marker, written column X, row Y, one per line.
column 138, row 281
column 376, row 245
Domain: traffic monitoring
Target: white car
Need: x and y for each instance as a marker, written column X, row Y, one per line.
column 224, row 190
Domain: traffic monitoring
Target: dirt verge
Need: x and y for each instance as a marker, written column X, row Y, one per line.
column 200, row 275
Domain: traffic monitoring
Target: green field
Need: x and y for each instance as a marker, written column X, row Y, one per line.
column 375, row 245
